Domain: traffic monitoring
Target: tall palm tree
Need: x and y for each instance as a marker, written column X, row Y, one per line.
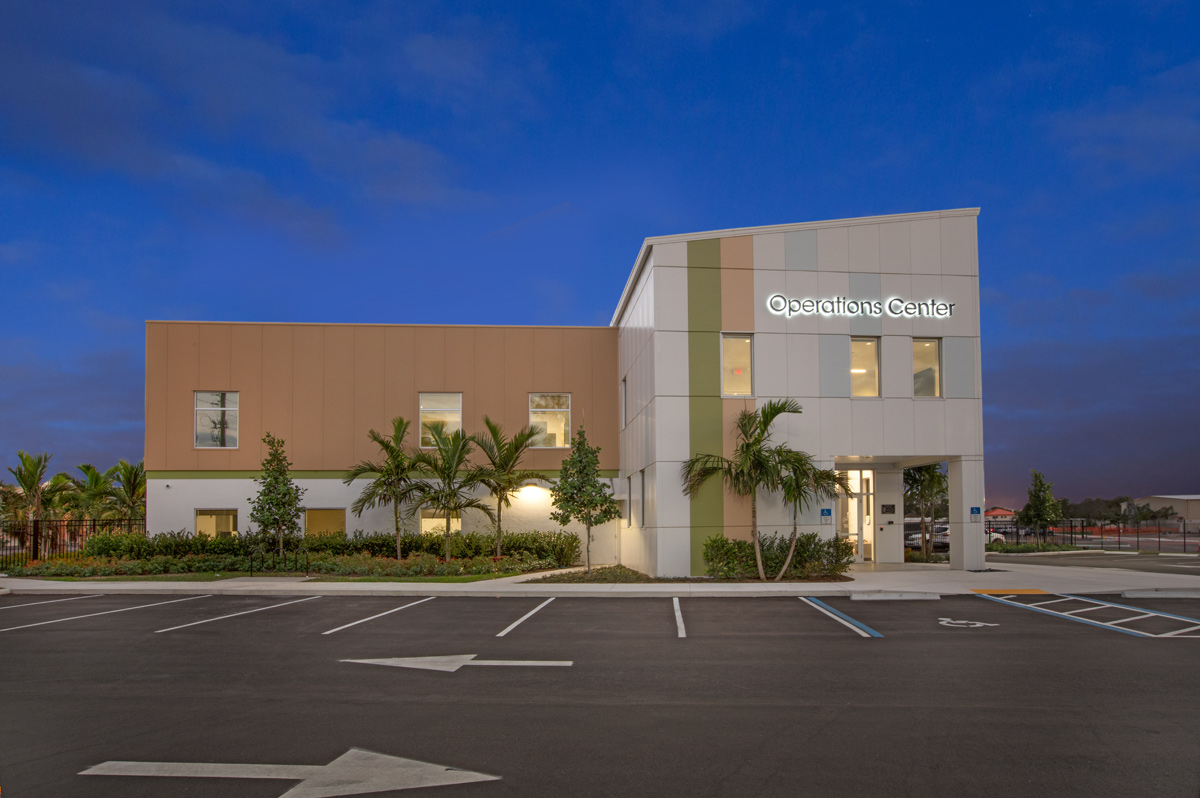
column 127, row 495
column 925, row 486
column 447, row 479
column 89, row 497
column 756, row 464
column 803, row 484
column 37, row 496
column 504, row 459
column 391, row 477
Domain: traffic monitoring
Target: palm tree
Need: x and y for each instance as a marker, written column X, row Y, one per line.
column 448, row 480
column 36, row 494
column 756, row 464
column 391, row 477
column 90, row 496
column 803, row 485
column 127, row 495
column 925, row 486
column 504, row 458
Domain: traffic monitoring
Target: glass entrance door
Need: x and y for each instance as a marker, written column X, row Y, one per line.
column 854, row 514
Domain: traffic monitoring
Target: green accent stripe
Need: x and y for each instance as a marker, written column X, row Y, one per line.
column 552, row 474
column 704, row 387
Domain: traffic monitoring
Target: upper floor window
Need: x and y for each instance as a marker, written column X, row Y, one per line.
column 216, row 419
column 443, row 407
column 927, row 367
column 864, row 367
column 550, row 416
column 736, row 360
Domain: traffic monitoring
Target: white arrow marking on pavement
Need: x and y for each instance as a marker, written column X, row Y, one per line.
column 355, row 772
column 453, row 662
column 964, row 624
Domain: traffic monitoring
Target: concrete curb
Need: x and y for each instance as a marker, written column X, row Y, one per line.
column 1162, row 592
column 4, row 591
column 893, row 595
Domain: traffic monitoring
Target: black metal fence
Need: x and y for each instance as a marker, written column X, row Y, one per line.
column 1167, row 537
column 62, row 539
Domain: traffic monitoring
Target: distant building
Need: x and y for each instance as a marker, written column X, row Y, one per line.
column 1186, row 506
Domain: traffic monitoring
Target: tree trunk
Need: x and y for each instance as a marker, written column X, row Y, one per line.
column 791, row 548
column 754, row 536
column 589, row 549
column 447, row 536
column 499, row 521
column 396, row 517
column 926, row 542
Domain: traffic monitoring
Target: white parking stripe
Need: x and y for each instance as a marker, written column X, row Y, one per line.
column 524, row 617
column 380, row 615
column 842, row 621
column 107, row 612
column 1040, row 603
column 1180, row 632
column 1135, row 618
column 52, row 601
column 678, row 618
column 235, row 614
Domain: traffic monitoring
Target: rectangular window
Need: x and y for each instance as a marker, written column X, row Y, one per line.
column 736, row 358
column 550, row 416
column 435, row 520
column 443, row 407
column 216, row 419
column 324, row 522
column 864, row 367
column 927, row 367
column 216, row 523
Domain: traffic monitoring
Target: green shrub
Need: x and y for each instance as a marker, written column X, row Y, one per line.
column 1028, row 548
column 814, row 556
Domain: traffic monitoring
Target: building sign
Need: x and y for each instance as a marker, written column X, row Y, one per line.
column 896, row 307
column 975, row 514
column 826, row 515
column 887, row 509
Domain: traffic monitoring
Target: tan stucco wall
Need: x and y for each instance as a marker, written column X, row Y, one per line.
column 321, row 387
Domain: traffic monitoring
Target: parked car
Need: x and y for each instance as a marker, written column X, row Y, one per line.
column 940, row 539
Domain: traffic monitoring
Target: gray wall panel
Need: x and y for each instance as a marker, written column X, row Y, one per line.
column 865, row 286
column 958, row 361
column 800, row 250
column 834, row 354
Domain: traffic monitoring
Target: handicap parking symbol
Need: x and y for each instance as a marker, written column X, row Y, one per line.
column 964, row 624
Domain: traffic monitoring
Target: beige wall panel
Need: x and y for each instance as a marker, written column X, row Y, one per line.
column 156, row 397
column 737, row 300
column 277, row 379
column 547, row 360
column 400, row 377
column 737, row 252
column 736, row 508
column 183, row 343
column 577, row 375
column 212, row 363
column 308, row 396
column 337, row 411
column 489, row 381
column 245, row 377
column 603, row 423
column 431, row 359
column 518, row 375
column 369, row 369
column 460, row 374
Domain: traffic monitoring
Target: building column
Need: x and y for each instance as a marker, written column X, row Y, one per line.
column 889, row 527
column 966, row 530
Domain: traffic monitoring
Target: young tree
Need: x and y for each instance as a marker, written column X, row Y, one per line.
column 926, row 487
column 504, row 458
column 276, row 508
column 391, row 477
column 756, row 464
column 1042, row 509
column 448, row 481
column 578, row 494
column 804, row 484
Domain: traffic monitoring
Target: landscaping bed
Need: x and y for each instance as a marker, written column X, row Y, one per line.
column 619, row 574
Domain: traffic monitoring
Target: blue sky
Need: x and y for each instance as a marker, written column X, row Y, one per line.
column 501, row 163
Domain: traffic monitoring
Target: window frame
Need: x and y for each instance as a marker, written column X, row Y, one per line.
column 421, row 424
column 196, row 511
column 307, row 510
column 941, row 368
column 196, row 409
column 877, row 342
column 734, row 334
column 569, row 431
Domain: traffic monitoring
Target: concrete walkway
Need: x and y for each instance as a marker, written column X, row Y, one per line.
column 869, row 582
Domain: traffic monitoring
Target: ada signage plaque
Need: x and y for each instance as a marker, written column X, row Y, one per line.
column 826, row 515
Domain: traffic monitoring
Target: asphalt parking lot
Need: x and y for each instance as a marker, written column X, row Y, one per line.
column 1150, row 563
column 262, row 696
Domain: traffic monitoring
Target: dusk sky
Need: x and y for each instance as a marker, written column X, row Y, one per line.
column 501, row 163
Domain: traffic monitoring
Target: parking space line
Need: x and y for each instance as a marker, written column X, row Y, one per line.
column 1040, row 603
column 380, row 615
column 1134, row 618
column 51, row 601
column 1064, row 615
column 1181, row 631
column 106, row 612
column 678, row 617
column 1138, row 609
column 845, row 620
column 1082, row 609
column 235, row 614
column 525, row 617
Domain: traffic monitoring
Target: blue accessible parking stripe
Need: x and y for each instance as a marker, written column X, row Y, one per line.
column 841, row 617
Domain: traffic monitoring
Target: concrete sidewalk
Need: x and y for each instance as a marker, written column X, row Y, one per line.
column 869, row 581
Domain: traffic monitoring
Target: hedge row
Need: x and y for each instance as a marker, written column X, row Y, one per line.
column 815, row 556
column 341, row 565
column 561, row 547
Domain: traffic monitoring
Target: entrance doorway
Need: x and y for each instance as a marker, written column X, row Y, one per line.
column 854, row 514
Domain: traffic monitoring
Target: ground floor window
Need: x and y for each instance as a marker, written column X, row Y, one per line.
column 216, row 523
column 324, row 522
column 436, row 519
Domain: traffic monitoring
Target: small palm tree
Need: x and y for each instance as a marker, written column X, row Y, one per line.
column 504, row 458
column 89, row 497
column 925, row 486
column 127, row 494
column 756, row 464
column 803, row 485
column 391, row 477
column 448, row 481
column 38, row 496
